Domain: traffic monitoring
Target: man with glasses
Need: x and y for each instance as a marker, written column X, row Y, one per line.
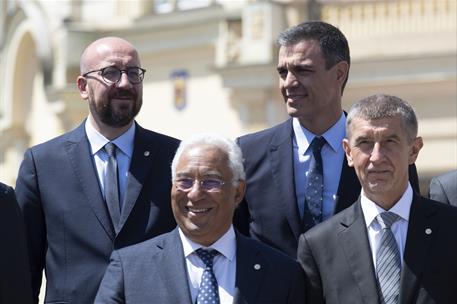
column 102, row 186
column 204, row 260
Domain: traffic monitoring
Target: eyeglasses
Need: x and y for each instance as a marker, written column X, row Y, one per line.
column 208, row 185
column 113, row 74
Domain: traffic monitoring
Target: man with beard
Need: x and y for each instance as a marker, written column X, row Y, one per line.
column 102, row 186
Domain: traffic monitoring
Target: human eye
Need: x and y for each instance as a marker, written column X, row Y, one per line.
column 212, row 184
column 282, row 72
column 184, row 183
column 111, row 73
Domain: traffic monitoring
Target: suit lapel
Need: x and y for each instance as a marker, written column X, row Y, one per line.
column 250, row 269
column 142, row 160
column 171, row 266
column 282, row 166
column 353, row 238
column 421, row 220
column 78, row 151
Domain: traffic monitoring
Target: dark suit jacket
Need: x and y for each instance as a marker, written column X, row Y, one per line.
column 15, row 283
column 269, row 211
column 337, row 259
column 69, row 228
column 443, row 188
column 155, row 272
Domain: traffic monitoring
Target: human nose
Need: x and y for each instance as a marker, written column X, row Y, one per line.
column 196, row 191
column 124, row 80
column 376, row 153
column 290, row 80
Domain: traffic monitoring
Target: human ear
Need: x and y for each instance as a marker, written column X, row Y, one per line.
column 81, row 82
column 240, row 190
column 347, row 150
column 415, row 147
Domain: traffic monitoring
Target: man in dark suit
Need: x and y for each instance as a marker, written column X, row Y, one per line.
column 391, row 246
column 313, row 68
column 208, row 184
column 443, row 188
column 15, row 284
column 102, row 186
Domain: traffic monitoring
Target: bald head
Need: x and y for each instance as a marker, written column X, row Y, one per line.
column 101, row 51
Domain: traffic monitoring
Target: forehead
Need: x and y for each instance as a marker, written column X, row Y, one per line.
column 113, row 53
column 306, row 50
column 382, row 127
column 203, row 158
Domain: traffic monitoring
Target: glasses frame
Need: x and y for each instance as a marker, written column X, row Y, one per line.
column 120, row 75
column 200, row 184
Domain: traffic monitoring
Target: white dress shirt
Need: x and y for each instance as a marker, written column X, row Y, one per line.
column 124, row 151
column 332, row 159
column 224, row 265
column 399, row 228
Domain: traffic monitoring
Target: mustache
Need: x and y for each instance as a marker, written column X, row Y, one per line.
column 120, row 93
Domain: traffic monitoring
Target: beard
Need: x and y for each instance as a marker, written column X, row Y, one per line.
column 116, row 116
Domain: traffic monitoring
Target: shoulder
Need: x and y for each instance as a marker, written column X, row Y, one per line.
column 449, row 177
column 445, row 211
column 265, row 136
column 328, row 230
column 145, row 248
column 6, row 190
column 273, row 255
column 155, row 137
column 51, row 145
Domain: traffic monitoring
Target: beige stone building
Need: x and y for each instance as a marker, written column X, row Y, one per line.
column 211, row 64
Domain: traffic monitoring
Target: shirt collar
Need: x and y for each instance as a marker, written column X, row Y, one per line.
column 226, row 245
column 334, row 135
column 98, row 141
column 401, row 208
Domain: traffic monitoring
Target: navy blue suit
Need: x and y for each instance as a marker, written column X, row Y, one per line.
column 269, row 211
column 155, row 272
column 69, row 228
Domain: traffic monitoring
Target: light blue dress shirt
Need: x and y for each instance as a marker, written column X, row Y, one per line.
column 332, row 158
column 124, row 151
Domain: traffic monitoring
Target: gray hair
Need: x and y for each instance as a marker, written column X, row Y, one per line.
column 333, row 43
column 383, row 106
column 234, row 154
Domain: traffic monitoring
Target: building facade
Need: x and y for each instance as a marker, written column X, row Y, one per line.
column 211, row 65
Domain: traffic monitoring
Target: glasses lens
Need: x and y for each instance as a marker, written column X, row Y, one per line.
column 184, row 183
column 135, row 75
column 111, row 74
column 211, row 184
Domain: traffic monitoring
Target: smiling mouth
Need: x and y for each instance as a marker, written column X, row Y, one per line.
column 198, row 210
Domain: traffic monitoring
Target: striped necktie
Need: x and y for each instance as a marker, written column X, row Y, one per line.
column 388, row 264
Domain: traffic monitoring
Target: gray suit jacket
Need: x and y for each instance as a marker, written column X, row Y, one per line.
column 155, row 272
column 443, row 188
column 68, row 225
column 337, row 260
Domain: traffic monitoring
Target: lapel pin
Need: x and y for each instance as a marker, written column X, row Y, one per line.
column 428, row 231
column 257, row 266
column 146, row 153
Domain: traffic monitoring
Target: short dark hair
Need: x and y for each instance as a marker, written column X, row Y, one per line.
column 333, row 43
column 383, row 106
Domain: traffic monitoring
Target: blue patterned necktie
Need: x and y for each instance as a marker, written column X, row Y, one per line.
column 315, row 181
column 112, row 185
column 388, row 264
column 208, row 293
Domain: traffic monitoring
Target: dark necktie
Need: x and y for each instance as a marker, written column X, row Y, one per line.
column 388, row 264
column 315, row 182
column 208, row 291
column 111, row 185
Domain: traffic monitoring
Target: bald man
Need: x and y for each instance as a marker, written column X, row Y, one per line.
column 102, row 186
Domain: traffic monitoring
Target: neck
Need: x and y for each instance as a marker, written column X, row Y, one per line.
column 319, row 123
column 109, row 132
